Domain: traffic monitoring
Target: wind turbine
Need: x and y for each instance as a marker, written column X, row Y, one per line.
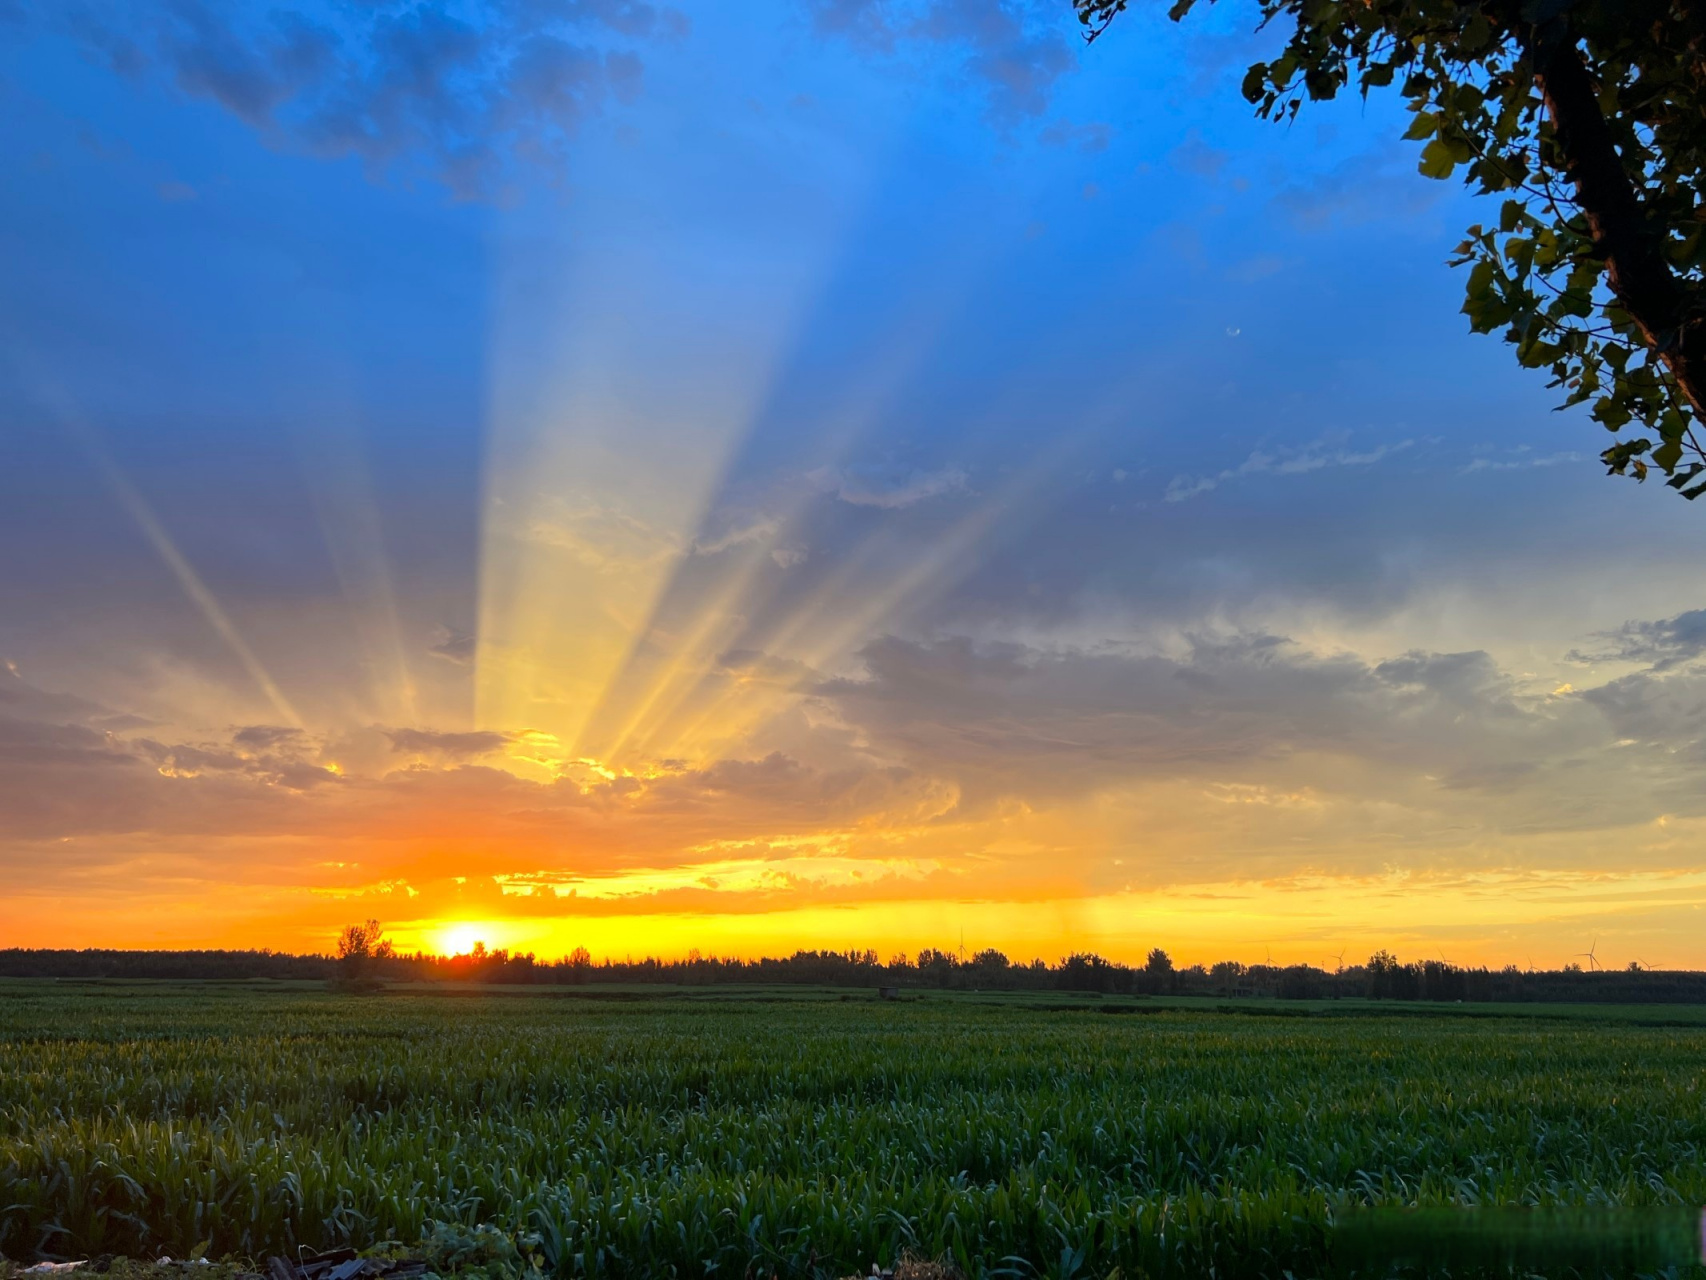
column 1593, row 962
column 1339, row 960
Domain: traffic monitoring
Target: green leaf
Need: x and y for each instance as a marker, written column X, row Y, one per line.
column 1612, row 414
column 1320, row 83
column 1425, row 125
column 1437, row 160
column 1255, row 81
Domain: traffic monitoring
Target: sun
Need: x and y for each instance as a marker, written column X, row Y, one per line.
column 459, row 939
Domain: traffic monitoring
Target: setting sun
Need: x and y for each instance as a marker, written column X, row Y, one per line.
column 459, row 939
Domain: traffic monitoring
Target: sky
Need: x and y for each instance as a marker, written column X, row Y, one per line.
column 762, row 474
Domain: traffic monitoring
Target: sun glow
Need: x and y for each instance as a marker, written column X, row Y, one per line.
column 459, row 939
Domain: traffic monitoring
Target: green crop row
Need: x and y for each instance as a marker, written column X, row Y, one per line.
column 796, row 1138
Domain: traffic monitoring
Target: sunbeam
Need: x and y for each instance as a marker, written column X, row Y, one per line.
column 870, row 587
column 341, row 490
column 705, row 604
column 137, row 507
column 599, row 478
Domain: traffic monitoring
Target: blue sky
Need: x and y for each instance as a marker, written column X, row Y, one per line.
column 795, row 472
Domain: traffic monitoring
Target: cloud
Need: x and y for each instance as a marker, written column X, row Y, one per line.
column 610, row 541
column 759, row 529
column 886, row 486
column 265, row 737
column 754, row 666
column 1461, row 678
column 286, row 763
column 60, row 779
column 465, row 97
column 635, row 18
column 1450, row 736
column 19, row 699
column 603, row 538
column 63, row 775
column 452, row 645
column 69, row 782
column 918, row 765
column 1089, row 138
column 1014, row 50
column 1376, row 186
column 1525, row 460
column 446, row 746
column 1659, row 720
column 1256, row 267
column 1664, row 644
column 1195, row 156
column 1281, row 462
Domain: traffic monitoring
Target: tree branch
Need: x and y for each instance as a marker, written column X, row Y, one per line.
column 1670, row 320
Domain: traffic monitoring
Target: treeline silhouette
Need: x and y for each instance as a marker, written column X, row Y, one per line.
column 1382, row 977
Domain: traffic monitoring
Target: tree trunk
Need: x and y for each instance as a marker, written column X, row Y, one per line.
column 1636, row 267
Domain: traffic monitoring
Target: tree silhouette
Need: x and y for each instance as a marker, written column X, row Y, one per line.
column 359, row 946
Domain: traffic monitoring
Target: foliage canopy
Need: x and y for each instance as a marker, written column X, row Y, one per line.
column 1589, row 118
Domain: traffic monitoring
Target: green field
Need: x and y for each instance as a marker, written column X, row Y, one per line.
column 798, row 1132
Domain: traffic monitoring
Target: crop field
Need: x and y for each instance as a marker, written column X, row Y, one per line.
column 814, row 1135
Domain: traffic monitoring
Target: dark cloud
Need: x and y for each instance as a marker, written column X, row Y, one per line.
column 446, row 746
column 1015, row 50
column 1667, row 711
column 65, row 770
column 452, row 645
column 285, row 762
column 411, row 86
column 32, row 744
column 19, row 699
column 59, row 781
column 1089, row 138
column 1460, row 678
column 1667, row 643
column 1012, row 720
column 266, row 736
